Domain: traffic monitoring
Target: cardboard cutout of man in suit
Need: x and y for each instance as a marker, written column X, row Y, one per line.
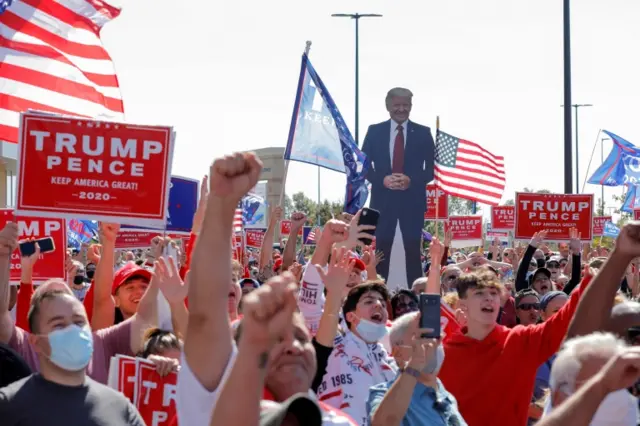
column 402, row 158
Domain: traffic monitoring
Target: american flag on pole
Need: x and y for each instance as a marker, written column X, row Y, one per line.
column 466, row 170
column 52, row 60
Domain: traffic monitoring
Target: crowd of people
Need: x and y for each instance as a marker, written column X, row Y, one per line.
column 542, row 336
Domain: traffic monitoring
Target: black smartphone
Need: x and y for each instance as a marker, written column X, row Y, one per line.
column 430, row 314
column 369, row 217
column 27, row 248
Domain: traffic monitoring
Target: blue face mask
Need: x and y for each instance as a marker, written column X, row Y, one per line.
column 71, row 347
column 370, row 331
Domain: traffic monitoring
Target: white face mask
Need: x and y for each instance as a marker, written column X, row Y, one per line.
column 619, row 408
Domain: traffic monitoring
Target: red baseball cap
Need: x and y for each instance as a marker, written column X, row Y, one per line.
column 128, row 271
column 359, row 264
column 277, row 264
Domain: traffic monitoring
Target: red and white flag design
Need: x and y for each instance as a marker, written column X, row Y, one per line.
column 53, row 61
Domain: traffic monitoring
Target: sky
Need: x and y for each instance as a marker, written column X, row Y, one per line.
column 224, row 74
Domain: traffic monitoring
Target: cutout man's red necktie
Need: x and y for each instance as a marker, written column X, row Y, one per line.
column 398, row 152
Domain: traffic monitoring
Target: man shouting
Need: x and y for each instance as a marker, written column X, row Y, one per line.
column 401, row 154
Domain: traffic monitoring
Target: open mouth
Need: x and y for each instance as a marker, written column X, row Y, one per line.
column 488, row 309
column 377, row 318
column 544, row 288
column 232, row 295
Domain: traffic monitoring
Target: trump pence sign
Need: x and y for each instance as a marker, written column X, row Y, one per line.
column 556, row 213
column 79, row 168
column 49, row 265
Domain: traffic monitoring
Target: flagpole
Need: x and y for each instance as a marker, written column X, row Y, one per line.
column 437, row 188
column 286, row 162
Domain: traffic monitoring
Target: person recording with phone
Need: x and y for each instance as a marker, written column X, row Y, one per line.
column 402, row 163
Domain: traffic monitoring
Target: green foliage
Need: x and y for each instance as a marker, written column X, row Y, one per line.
column 301, row 203
column 511, row 201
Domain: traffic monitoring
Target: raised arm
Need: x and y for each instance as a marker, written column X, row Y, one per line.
column 289, row 255
column 433, row 280
column 594, row 309
column 268, row 319
column 267, row 241
column 8, row 243
column 103, row 314
column 208, row 343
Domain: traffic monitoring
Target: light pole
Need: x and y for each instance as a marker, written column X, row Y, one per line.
column 601, row 162
column 356, row 17
column 576, row 106
column 568, row 185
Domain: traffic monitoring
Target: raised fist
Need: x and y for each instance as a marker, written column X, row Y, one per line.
column 234, row 175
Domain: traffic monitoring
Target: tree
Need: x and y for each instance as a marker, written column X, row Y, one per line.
column 325, row 212
column 511, row 201
column 462, row 207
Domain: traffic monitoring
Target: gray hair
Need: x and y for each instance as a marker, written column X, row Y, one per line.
column 575, row 352
column 399, row 328
column 628, row 307
column 399, row 92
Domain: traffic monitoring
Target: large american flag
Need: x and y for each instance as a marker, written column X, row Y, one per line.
column 52, row 59
column 466, row 170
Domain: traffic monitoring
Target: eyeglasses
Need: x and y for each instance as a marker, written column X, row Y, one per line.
column 529, row 306
column 411, row 306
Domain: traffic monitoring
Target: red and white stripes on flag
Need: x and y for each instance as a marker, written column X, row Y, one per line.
column 312, row 235
column 466, row 170
column 52, row 60
column 238, row 222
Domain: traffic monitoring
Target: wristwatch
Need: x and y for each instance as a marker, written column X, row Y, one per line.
column 412, row 372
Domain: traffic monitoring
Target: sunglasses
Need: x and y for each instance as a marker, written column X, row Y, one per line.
column 553, row 265
column 529, row 306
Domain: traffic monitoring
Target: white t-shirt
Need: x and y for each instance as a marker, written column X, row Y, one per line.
column 195, row 404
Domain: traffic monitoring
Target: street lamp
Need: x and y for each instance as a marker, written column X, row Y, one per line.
column 576, row 106
column 568, row 186
column 356, row 17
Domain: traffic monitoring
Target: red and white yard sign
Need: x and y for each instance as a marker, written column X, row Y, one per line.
column 285, row 227
column 598, row 225
column 557, row 213
column 503, row 218
column 436, row 201
column 154, row 396
column 237, row 247
column 253, row 237
column 49, row 265
column 130, row 239
column 466, row 230
column 78, row 168
column 636, row 214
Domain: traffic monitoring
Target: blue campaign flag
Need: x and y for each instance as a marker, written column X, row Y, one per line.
column 610, row 230
column 252, row 214
column 318, row 135
column 631, row 200
column 81, row 232
column 183, row 201
column 622, row 165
